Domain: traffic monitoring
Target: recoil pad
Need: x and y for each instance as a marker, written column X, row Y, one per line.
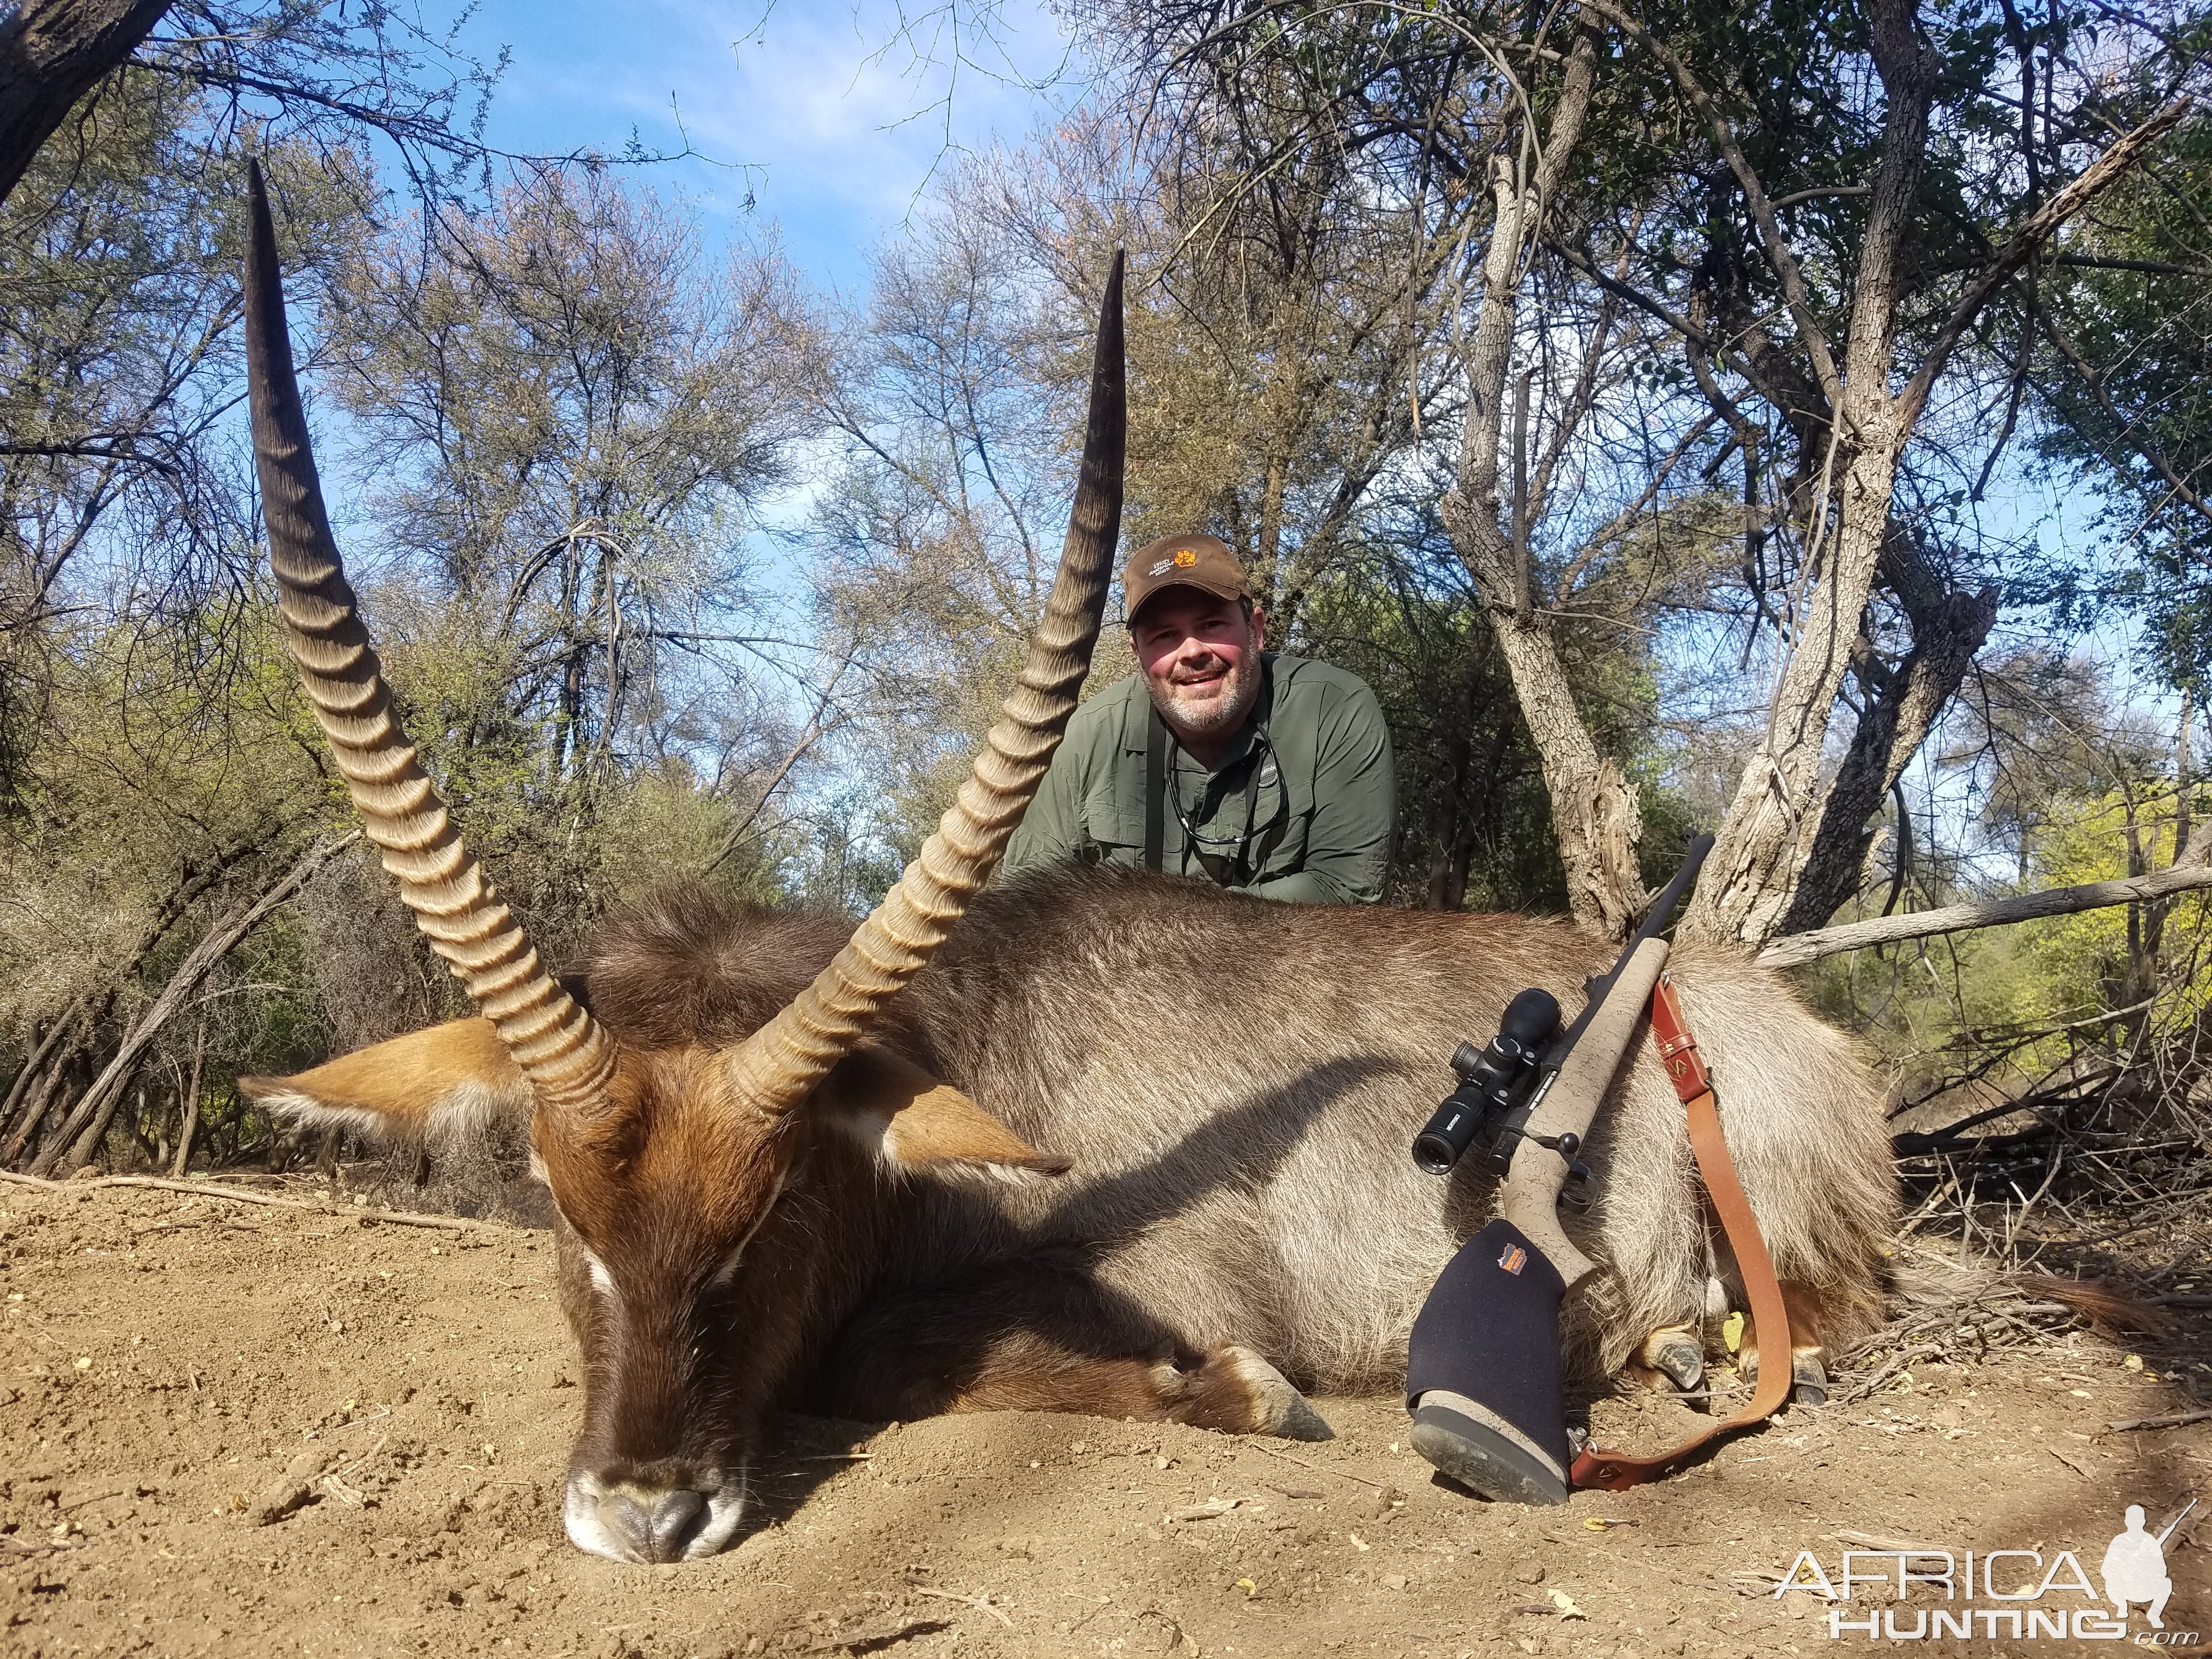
column 1482, row 1371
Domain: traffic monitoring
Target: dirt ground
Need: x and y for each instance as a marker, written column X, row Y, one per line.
column 163, row 1357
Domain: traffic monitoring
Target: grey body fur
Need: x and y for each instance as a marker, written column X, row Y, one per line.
column 1237, row 1083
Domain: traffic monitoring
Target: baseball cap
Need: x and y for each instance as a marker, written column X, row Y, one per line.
column 1201, row 561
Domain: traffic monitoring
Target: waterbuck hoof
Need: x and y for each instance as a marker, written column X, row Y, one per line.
column 1679, row 1360
column 1671, row 1362
column 1808, row 1378
column 1278, row 1409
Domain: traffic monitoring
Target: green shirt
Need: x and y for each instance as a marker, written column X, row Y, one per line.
column 1311, row 774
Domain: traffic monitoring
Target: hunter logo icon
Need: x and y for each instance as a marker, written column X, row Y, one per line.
column 1514, row 1259
column 2135, row 1566
column 1185, row 557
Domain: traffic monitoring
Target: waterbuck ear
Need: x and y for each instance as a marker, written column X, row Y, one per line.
column 432, row 1085
column 910, row 1119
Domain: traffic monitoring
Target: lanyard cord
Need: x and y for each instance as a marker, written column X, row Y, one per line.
column 1226, row 871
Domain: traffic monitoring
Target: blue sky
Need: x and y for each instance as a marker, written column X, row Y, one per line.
column 821, row 122
column 824, row 114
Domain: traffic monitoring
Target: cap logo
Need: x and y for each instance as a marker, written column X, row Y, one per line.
column 1161, row 568
column 1185, row 557
column 1514, row 1259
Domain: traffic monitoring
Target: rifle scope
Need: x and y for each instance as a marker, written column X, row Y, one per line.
column 1492, row 1083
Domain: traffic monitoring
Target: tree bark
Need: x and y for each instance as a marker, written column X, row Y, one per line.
column 190, row 1125
column 72, row 1143
column 77, row 1034
column 51, row 53
column 1945, row 636
column 27, row 1077
column 1594, row 810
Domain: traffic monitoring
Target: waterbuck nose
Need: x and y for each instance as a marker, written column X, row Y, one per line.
column 655, row 1526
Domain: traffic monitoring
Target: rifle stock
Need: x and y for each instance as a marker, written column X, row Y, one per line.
column 1530, row 1197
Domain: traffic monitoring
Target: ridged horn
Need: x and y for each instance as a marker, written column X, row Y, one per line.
column 775, row 1068
column 557, row 1045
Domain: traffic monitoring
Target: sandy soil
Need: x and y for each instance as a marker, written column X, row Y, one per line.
column 162, row 1358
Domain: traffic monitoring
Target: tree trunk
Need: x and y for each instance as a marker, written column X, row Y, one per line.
column 1896, row 723
column 191, row 1122
column 1772, row 826
column 30, row 1081
column 75, row 1036
column 34, row 1061
column 1768, row 834
column 1594, row 811
column 51, row 53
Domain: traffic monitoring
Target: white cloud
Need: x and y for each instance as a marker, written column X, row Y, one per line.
column 835, row 120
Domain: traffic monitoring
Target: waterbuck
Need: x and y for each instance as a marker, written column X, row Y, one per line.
column 1116, row 1144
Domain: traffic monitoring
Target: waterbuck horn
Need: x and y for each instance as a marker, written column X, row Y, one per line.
column 776, row 1067
column 554, row 1042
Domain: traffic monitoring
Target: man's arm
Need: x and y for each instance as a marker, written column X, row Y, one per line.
column 1355, row 810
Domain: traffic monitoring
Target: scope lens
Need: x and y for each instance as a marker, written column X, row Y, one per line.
column 1439, row 1147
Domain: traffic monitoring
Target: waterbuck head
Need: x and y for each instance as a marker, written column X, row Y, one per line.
column 666, row 1143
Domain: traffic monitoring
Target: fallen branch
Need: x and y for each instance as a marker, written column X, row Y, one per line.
column 2180, row 1420
column 981, row 1601
column 1794, row 949
column 207, row 1189
column 1345, row 1474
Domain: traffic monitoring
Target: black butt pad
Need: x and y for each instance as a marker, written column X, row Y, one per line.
column 1482, row 1459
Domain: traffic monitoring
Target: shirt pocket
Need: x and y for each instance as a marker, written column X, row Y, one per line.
column 1114, row 816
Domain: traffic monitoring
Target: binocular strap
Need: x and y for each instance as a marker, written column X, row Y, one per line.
column 1614, row 1471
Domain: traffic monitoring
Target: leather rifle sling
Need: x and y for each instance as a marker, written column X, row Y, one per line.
column 1678, row 1050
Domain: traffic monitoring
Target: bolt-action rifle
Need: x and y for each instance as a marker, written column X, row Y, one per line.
column 1483, row 1381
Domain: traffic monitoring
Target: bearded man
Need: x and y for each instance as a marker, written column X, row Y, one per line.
column 1257, row 771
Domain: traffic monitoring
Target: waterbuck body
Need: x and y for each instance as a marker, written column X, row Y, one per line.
column 1129, row 1146
column 1235, row 1083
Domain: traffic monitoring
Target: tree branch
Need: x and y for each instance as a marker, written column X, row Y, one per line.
column 1776, row 246
column 2131, row 432
column 2192, row 872
column 2099, row 174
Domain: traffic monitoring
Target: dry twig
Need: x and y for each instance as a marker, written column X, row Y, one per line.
column 209, row 1190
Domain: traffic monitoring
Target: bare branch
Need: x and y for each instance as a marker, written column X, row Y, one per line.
column 2192, row 872
column 2100, row 173
column 1776, row 246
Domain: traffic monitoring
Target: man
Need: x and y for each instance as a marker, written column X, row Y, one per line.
column 1264, row 772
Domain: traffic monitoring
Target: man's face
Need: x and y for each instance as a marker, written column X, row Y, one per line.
column 1200, row 657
